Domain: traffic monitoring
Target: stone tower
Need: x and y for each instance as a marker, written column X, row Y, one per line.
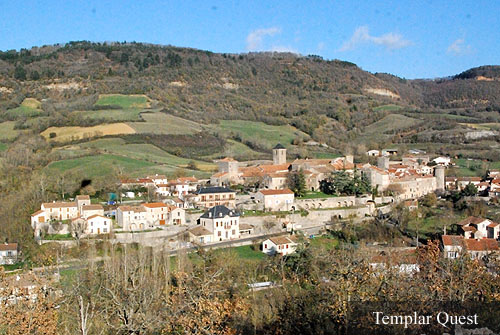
column 279, row 154
column 439, row 174
column 383, row 162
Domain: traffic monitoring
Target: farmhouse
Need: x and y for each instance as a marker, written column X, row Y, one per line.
column 149, row 215
column 276, row 200
column 132, row 218
column 98, row 224
column 373, row 153
column 9, row 253
column 89, row 210
column 224, row 223
column 283, row 245
column 215, row 196
column 474, row 227
column 454, row 246
column 200, row 235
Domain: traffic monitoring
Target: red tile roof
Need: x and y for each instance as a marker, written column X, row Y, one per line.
column 485, row 244
column 8, row 246
column 154, row 205
column 276, row 192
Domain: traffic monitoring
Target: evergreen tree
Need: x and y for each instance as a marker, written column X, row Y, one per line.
column 297, row 183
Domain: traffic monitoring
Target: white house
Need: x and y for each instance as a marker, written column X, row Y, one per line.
column 442, row 160
column 132, row 218
column 373, row 153
column 474, row 227
column 224, row 223
column 276, row 200
column 89, row 210
column 98, row 224
column 8, row 253
column 282, row 245
column 158, row 179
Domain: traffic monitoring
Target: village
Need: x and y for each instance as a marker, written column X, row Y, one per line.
column 246, row 201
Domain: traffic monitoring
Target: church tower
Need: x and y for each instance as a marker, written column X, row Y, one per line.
column 279, row 154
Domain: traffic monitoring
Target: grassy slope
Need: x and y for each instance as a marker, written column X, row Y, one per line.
column 146, row 152
column 70, row 133
column 129, row 114
column 264, row 134
column 7, row 131
column 161, row 123
column 376, row 130
column 124, row 101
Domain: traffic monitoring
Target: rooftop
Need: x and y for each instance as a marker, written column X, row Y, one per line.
column 219, row 211
column 214, row 189
column 276, row 192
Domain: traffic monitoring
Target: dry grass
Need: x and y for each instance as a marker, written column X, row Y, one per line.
column 64, row 134
column 32, row 103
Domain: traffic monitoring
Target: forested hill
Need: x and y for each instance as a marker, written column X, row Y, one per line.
column 315, row 95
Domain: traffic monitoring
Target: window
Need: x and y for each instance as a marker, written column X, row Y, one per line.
column 265, row 246
column 219, row 233
column 105, row 230
column 234, row 232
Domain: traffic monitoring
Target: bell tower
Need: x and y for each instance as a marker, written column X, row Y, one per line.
column 279, row 154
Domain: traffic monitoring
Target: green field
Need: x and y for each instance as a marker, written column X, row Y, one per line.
column 264, row 135
column 3, row 146
column 324, row 242
column 144, row 152
column 317, row 195
column 161, row 123
column 107, row 164
column 124, row 101
column 7, row 131
column 129, row 114
column 100, row 165
column 29, row 108
column 239, row 151
column 388, row 108
column 471, row 167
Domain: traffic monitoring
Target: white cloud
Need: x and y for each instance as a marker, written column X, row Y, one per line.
column 254, row 39
column 390, row 41
column 458, row 47
column 321, row 46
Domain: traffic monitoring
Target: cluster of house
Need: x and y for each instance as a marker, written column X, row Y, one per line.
column 410, row 178
column 83, row 217
column 485, row 186
column 178, row 187
column 274, row 176
column 149, row 215
column 478, row 237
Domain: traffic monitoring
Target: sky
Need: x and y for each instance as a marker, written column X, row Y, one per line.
column 407, row 38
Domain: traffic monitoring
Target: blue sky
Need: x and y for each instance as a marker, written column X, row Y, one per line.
column 411, row 39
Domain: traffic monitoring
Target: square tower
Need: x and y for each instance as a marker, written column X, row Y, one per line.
column 279, row 154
